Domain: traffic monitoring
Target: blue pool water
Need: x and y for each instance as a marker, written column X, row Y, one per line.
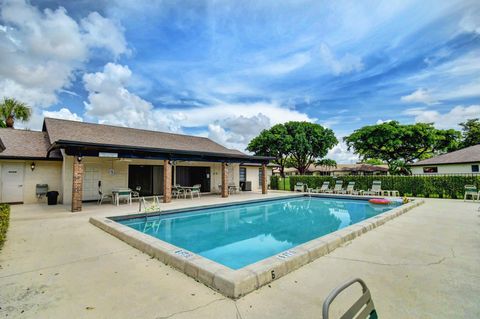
column 239, row 235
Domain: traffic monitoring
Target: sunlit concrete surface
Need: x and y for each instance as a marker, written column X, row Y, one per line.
column 55, row 264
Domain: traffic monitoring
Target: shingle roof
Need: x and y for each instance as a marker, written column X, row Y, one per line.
column 24, row 144
column 466, row 155
column 122, row 136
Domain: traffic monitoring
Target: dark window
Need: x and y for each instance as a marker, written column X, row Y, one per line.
column 432, row 169
column 260, row 176
column 243, row 174
column 475, row 168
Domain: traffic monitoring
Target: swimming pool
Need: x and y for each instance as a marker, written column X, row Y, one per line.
column 242, row 234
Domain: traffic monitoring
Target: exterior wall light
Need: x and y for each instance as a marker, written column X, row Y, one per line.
column 32, row 166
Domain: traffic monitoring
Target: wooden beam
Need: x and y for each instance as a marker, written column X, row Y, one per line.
column 167, row 181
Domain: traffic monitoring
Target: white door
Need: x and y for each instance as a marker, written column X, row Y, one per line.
column 12, row 183
column 90, row 182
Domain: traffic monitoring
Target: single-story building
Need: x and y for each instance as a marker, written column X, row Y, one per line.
column 466, row 160
column 340, row 170
column 77, row 158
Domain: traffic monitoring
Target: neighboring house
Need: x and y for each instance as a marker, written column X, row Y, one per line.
column 466, row 160
column 73, row 158
column 341, row 170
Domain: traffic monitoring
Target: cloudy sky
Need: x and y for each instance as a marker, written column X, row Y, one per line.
column 228, row 69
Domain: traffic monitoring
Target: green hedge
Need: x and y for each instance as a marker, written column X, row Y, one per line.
column 443, row 186
column 4, row 221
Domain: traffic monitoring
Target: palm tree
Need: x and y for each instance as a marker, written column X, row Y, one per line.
column 11, row 110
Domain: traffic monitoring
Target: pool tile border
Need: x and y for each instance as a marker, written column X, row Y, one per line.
column 238, row 283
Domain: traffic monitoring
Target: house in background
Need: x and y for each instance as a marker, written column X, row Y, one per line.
column 466, row 160
column 74, row 158
column 340, row 170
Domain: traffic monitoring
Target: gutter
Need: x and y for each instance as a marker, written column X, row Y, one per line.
column 113, row 147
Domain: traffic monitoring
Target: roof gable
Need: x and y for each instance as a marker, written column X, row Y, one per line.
column 469, row 154
column 64, row 130
column 24, row 144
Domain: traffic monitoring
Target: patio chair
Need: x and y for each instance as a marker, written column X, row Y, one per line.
column 195, row 190
column 376, row 189
column 299, row 187
column 103, row 196
column 136, row 192
column 337, row 188
column 322, row 189
column 349, row 190
column 232, row 188
column 178, row 191
column 363, row 308
column 472, row 191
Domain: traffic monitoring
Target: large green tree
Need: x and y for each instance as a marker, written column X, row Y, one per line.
column 310, row 142
column 470, row 132
column 11, row 110
column 298, row 143
column 395, row 143
column 272, row 142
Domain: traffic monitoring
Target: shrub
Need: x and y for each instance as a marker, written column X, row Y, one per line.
column 4, row 221
column 443, row 186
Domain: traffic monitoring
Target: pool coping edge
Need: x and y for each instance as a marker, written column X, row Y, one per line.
column 237, row 283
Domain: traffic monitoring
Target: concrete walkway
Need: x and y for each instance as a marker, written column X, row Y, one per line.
column 423, row 264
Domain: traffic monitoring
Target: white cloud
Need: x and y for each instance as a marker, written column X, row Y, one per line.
column 470, row 23
column 231, row 124
column 346, row 64
column 284, row 66
column 41, row 50
column 419, row 96
column 110, row 101
column 380, row 121
column 104, row 33
column 64, row 114
column 341, row 154
column 449, row 119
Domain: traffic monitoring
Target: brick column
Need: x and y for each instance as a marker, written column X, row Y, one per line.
column 224, row 180
column 167, row 181
column 77, row 185
column 264, row 179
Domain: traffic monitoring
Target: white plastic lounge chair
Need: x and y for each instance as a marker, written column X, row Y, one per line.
column 349, row 189
column 337, row 188
column 376, row 189
column 325, row 186
column 472, row 191
column 299, row 187
column 363, row 308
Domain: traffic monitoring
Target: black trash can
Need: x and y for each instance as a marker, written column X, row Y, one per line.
column 52, row 197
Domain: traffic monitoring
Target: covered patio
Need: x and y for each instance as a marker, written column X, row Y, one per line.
column 149, row 171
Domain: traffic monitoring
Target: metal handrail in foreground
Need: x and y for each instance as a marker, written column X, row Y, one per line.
column 363, row 308
column 149, row 207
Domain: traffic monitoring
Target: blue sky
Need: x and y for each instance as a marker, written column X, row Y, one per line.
column 228, row 69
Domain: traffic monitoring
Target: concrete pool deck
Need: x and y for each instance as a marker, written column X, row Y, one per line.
column 422, row 264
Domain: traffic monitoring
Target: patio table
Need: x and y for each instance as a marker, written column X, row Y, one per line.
column 121, row 192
